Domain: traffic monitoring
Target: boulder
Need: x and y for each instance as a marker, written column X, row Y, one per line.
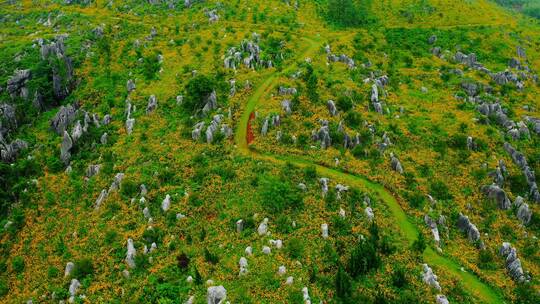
column 263, row 227
column 131, row 253
column 64, row 117
column 130, row 86
column 430, row 278
column 395, row 164
column 331, row 107
column 216, row 295
column 166, row 204
column 65, row 148
column 101, row 198
column 524, row 214
column 130, row 123
column 9, row 152
column 324, row 230
column 16, row 84
column 152, row 104
column 69, row 269
column 498, row 195
column 243, row 266
column 92, row 170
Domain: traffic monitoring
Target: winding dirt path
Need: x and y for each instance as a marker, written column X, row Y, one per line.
column 244, row 136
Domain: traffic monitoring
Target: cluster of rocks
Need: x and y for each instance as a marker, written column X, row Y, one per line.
column 341, row 58
column 64, row 118
column 431, row 279
column 214, row 126
column 524, row 213
column 535, row 122
column 248, row 53
column 55, row 51
column 498, row 195
column 212, row 15
column 323, row 136
column 272, row 120
column 465, row 225
column 8, row 123
column 434, row 227
column 513, row 264
column 494, row 110
column 115, row 185
column 521, row 161
column 395, row 164
column 379, row 83
column 17, row 84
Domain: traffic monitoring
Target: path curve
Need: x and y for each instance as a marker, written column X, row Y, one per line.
column 471, row 282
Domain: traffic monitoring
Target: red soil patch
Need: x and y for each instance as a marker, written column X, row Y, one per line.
column 249, row 134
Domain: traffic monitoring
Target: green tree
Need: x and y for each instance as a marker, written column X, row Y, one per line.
column 197, row 91
column 343, row 285
column 348, row 13
column 363, row 259
column 419, row 245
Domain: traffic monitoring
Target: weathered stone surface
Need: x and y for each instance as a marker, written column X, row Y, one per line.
column 166, row 204
column 130, row 86
column 524, row 214
column 216, row 295
column 65, row 148
column 243, row 263
column 513, row 264
column 152, row 104
column 69, row 269
column 429, row 277
column 92, row 170
column 263, row 227
column 331, row 107
column 101, row 198
column 9, row 152
column 131, row 253
column 64, row 117
column 130, row 123
column 498, row 195
column 16, row 84
column 395, row 164
column 324, row 230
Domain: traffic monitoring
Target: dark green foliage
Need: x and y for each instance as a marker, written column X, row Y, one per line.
column 182, row 261
column 279, row 195
column 363, row 259
column 151, row 66
column 419, row 245
column 4, row 289
column 295, row 248
column 526, row 294
column 83, row 268
column 440, row 191
column 197, row 91
column 344, row 103
column 343, row 285
column 312, row 84
column 310, row 172
column 486, row 259
column 399, row 277
column 17, row 264
column 210, row 257
column 349, row 13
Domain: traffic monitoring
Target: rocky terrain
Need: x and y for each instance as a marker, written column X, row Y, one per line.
column 310, row 151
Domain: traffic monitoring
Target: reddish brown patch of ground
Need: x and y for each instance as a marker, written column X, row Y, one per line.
column 249, row 134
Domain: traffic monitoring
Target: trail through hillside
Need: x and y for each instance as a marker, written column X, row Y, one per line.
column 471, row 282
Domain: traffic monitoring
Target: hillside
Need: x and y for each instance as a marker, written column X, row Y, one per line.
column 321, row 151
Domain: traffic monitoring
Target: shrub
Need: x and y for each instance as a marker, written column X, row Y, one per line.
column 278, row 195
column 486, row 259
column 343, row 284
column 295, row 248
column 182, row 261
column 83, row 268
column 363, row 259
column 440, row 191
column 4, row 289
column 18, row 264
column 399, row 277
column 419, row 245
column 348, row 13
column 197, row 91
column 210, row 257
column 344, row 103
